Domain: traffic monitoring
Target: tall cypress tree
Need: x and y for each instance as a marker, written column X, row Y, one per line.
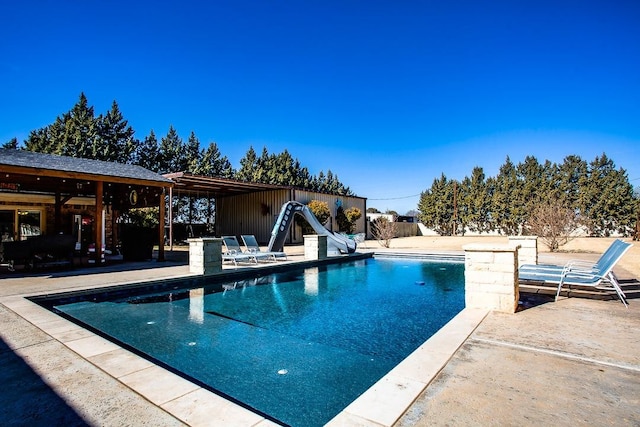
column 609, row 197
column 474, row 202
column 505, row 197
column 571, row 181
column 436, row 206
column 531, row 189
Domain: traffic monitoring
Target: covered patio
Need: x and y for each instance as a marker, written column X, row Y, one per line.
column 46, row 194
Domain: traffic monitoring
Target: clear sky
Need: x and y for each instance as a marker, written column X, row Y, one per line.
column 388, row 95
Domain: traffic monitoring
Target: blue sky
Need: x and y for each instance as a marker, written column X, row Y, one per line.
column 388, row 95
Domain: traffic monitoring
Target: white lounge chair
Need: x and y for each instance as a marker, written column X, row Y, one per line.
column 581, row 273
column 252, row 246
column 233, row 252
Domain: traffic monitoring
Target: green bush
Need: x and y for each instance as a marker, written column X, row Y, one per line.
column 320, row 210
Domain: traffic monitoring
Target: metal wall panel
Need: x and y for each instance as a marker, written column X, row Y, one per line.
column 334, row 201
column 253, row 213
column 256, row 213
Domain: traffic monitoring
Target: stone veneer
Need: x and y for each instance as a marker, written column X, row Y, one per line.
column 528, row 252
column 205, row 255
column 491, row 277
column 315, row 246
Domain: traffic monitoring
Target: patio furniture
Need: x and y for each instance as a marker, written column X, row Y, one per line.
column 233, row 252
column 253, row 247
column 581, row 273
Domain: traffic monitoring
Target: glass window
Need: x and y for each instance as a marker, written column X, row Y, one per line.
column 28, row 224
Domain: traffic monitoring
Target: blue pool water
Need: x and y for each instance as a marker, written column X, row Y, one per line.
column 296, row 346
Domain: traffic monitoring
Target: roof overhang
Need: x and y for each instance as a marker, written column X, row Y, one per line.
column 187, row 183
column 24, row 172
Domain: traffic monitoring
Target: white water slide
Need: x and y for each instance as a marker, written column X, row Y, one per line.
column 336, row 243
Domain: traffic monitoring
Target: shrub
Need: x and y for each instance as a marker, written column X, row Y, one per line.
column 346, row 219
column 383, row 231
column 553, row 223
column 320, row 210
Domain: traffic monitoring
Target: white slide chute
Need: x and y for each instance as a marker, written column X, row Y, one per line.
column 336, row 243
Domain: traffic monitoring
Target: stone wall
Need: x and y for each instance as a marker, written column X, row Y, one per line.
column 491, row 277
column 205, row 255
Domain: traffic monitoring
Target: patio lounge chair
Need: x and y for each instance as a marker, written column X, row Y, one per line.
column 252, row 246
column 581, row 273
column 233, row 251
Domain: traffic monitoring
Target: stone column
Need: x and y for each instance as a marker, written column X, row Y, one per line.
column 491, row 277
column 315, row 246
column 205, row 255
column 528, row 252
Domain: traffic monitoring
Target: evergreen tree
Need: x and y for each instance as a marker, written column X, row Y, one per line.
column 193, row 153
column 505, row 197
column 248, row 164
column 571, row 181
column 115, row 140
column 304, row 178
column 330, row 183
column 80, row 131
column 436, row 206
column 12, row 144
column 38, row 141
column 172, row 153
column 531, row 190
column 282, row 170
column 474, row 202
column 147, row 153
column 609, row 195
column 214, row 164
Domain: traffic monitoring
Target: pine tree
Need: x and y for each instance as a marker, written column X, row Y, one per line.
column 248, row 164
column 38, row 141
column 172, row 152
column 80, row 131
column 505, row 198
column 12, row 144
column 214, row 164
column 436, row 206
column 474, row 202
column 609, row 198
column 530, row 191
column 147, row 153
column 193, row 153
column 115, row 140
column 571, row 180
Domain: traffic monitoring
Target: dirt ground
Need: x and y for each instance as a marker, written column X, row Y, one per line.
column 585, row 245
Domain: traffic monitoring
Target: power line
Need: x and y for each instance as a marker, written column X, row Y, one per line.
column 398, row 198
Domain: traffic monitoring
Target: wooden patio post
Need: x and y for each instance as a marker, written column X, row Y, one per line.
column 161, row 226
column 98, row 231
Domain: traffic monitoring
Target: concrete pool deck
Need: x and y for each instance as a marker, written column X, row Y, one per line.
column 571, row 362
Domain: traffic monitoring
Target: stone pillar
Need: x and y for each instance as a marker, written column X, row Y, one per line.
column 491, row 277
column 528, row 252
column 315, row 246
column 205, row 255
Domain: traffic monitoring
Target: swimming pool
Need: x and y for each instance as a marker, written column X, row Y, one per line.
column 297, row 346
